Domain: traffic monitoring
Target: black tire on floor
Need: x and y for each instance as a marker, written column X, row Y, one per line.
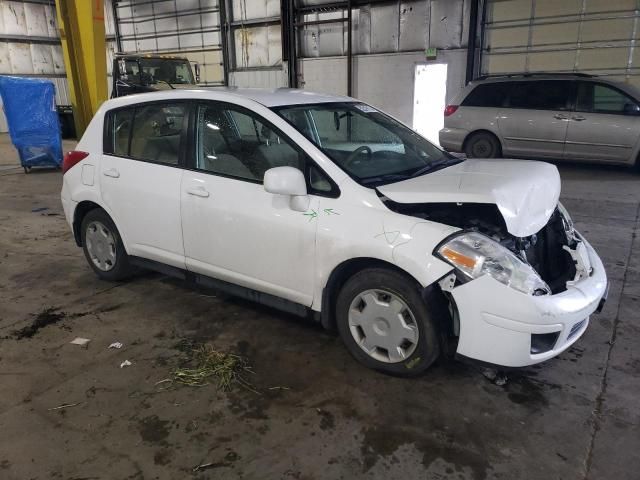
column 121, row 268
column 427, row 348
column 482, row 145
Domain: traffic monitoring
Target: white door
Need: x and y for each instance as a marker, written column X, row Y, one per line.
column 140, row 182
column 233, row 230
column 534, row 123
column 429, row 100
column 605, row 125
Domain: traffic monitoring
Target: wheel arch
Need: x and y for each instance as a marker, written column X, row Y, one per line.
column 345, row 270
column 81, row 211
column 482, row 130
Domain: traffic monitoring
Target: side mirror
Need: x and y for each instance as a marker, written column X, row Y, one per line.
column 288, row 181
column 196, row 67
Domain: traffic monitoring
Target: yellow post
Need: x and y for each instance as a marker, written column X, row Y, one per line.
column 81, row 24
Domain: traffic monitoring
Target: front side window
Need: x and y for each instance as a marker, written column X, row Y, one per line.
column 234, row 142
column 371, row 147
column 593, row 97
column 541, row 95
column 157, row 129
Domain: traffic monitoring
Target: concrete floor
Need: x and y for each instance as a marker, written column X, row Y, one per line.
column 575, row 417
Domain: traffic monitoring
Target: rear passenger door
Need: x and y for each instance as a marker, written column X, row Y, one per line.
column 534, row 121
column 233, row 229
column 605, row 126
column 140, row 176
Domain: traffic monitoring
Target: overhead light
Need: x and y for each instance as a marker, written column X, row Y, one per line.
column 212, row 157
column 213, row 126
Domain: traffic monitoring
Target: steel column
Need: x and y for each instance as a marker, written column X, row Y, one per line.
column 82, row 33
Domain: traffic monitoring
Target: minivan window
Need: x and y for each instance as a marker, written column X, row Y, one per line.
column 541, row 95
column 487, row 95
column 597, row 98
column 157, row 129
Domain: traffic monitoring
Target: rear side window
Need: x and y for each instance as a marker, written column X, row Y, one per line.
column 593, row 97
column 487, row 95
column 541, row 95
column 157, row 129
column 119, row 127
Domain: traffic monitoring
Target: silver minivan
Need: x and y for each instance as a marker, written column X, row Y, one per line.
column 572, row 117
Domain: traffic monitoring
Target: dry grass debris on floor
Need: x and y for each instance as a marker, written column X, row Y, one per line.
column 205, row 364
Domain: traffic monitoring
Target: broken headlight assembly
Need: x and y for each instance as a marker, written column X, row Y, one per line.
column 474, row 255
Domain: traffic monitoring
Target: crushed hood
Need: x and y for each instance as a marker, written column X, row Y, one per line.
column 525, row 192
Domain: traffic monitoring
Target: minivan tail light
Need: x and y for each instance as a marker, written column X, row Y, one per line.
column 71, row 158
column 450, row 110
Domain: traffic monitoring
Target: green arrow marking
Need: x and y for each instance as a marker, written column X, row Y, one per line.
column 313, row 214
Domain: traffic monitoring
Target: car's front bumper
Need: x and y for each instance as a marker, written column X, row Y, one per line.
column 497, row 322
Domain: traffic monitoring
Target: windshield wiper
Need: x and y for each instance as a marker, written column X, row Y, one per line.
column 384, row 178
column 164, row 81
column 436, row 166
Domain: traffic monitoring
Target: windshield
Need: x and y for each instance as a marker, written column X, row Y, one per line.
column 173, row 71
column 370, row 146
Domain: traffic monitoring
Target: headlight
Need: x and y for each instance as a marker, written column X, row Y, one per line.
column 475, row 255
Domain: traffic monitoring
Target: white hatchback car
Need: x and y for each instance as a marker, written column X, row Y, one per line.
column 323, row 205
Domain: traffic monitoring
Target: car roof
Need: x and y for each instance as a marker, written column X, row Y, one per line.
column 267, row 97
column 625, row 87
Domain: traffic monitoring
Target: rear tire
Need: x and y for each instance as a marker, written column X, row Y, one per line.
column 103, row 247
column 482, row 145
column 385, row 323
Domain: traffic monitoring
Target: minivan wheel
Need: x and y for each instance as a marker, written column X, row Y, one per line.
column 103, row 246
column 385, row 324
column 482, row 145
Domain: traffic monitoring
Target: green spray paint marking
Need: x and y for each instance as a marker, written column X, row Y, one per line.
column 313, row 214
column 330, row 211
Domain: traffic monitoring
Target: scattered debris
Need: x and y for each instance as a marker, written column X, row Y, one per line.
column 116, row 345
column 83, row 342
column 206, row 466
column 279, row 388
column 64, row 405
column 39, row 209
column 206, row 362
column 495, row 376
column 126, row 363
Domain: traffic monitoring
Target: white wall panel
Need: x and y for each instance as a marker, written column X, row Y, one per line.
column 383, row 80
column 258, row 78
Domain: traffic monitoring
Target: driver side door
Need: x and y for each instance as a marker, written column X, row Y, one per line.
column 233, row 229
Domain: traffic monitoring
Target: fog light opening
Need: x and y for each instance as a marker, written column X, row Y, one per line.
column 543, row 342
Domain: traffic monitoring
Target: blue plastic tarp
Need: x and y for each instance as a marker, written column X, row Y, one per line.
column 30, row 108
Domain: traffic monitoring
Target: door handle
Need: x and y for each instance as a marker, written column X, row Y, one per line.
column 560, row 116
column 112, row 172
column 578, row 118
column 198, row 192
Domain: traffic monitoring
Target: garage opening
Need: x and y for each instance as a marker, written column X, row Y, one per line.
column 429, row 97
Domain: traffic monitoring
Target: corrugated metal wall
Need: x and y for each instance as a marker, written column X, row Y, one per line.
column 592, row 36
column 190, row 28
column 389, row 40
column 30, row 45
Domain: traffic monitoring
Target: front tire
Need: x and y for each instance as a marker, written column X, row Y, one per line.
column 385, row 323
column 103, row 247
column 482, row 145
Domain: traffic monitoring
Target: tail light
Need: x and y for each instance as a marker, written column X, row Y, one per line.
column 71, row 158
column 450, row 110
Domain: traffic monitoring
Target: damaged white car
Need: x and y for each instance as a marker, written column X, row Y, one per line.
column 324, row 206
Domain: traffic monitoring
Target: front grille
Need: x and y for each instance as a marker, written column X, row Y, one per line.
column 576, row 328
